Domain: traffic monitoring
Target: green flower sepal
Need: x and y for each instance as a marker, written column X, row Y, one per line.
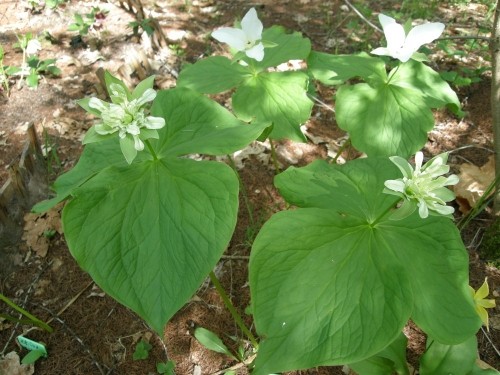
column 126, row 115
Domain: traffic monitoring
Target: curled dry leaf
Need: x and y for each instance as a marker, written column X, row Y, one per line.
column 473, row 183
column 10, row 364
column 39, row 228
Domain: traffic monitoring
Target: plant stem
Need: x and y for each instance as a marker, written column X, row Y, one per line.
column 151, row 149
column 244, row 192
column 382, row 215
column 273, row 156
column 237, row 318
column 341, row 149
column 393, row 74
column 32, row 318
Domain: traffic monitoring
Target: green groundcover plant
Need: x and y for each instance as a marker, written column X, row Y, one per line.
column 367, row 246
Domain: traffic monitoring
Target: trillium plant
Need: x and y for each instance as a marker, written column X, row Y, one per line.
column 368, row 245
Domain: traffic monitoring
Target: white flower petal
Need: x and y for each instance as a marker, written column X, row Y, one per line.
column 381, row 51
column 419, row 158
column 395, row 36
column 403, row 166
column 256, row 52
column 252, row 26
column 423, row 34
column 396, row 185
column 423, row 211
column 133, row 129
column 138, row 144
column 148, row 96
column 235, row 38
column 98, row 104
column 152, row 122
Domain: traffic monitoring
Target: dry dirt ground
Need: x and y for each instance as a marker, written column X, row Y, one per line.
column 93, row 334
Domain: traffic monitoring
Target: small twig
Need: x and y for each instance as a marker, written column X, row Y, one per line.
column 246, row 362
column 322, row 103
column 348, row 3
column 71, row 301
column 491, row 342
column 236, row 257
column 80, row 341
column 487, row 38
column 35, row 280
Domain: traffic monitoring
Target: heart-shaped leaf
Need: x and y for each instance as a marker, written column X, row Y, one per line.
column 335, row 282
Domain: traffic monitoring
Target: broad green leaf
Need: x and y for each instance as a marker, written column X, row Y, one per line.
column 196, row 124
column 278, row 97
column 32, row 79
column 335, row 69
column 385, row 120
column 287, row 46
column 213, row 75
column 335, row 282
column 427, row 83
column 449, row 359
column 95, row 157
column 391, row 359
column 150, row 233
column 211, row 341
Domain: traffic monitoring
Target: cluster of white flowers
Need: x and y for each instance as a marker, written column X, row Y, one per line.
column 248, row 38
column 424, row 187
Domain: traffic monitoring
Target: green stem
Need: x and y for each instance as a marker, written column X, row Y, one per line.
column 237, row 318
column 341, row 150
column 393, row 74
column 151, row 149
column 383, row 214
column 244, row 192
column 274, row 157
column 32, row 318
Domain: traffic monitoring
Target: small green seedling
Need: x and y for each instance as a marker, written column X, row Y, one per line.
column 212, row 342
column 145, row 25
column 142, row 350
column 166, row 368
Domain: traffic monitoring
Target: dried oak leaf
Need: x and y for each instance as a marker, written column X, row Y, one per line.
column 39, row 228
column 473, row 183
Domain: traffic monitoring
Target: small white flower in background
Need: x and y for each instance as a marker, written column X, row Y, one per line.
column 401, row 46
column 423, row 187
column 33, row 47
column 127, row 118
column 246, row 39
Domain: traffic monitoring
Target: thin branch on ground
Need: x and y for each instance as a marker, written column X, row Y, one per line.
column 348, row 3
column 28, row 292
column 80, row 341
column 487, row 38
column 322, row 103
column 491, row 342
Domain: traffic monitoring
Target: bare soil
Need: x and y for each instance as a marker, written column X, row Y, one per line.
column 93, row 334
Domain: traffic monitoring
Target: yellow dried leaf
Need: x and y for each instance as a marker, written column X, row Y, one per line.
column 473, row 183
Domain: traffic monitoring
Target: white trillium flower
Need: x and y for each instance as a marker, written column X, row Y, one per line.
column 127, row 118
column 401, row 46
column 33, row 47
column 246, row 39
column 423, row 187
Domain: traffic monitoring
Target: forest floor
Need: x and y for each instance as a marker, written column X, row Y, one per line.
column 94, row 334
